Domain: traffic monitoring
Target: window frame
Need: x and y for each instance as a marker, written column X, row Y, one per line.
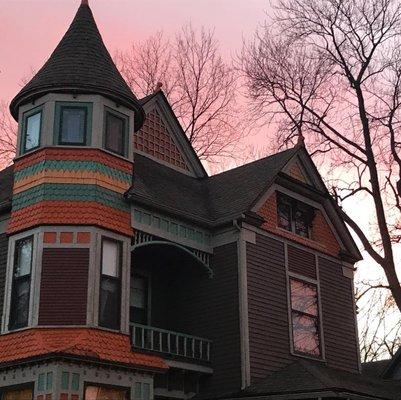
column 113, row 279
column 107, row 386
column 58, row 119
column 125, row 118
column 318, row 317
column 145, row 275
column 22, row 386
column 26, row 115
column 12, row 326
column 294, row 205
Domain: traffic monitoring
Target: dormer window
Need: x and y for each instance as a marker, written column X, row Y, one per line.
column 31, row 130
column 294, row 216
column 73, row 124
column 115, row 132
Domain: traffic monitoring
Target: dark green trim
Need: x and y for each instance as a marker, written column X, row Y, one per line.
column 26, row 115
column 125, row 118
column 60, row 105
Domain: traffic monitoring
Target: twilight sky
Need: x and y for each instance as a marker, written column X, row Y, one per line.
column 30, row 29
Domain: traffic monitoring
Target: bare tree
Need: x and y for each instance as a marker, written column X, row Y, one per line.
column 8, row 136
column 330, row 70
column 201, row 87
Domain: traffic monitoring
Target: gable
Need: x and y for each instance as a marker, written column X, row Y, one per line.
column 162, row 138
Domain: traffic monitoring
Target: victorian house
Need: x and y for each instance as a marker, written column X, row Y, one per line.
column 126, row 272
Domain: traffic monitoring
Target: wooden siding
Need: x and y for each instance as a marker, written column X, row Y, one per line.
column 3, row 268
column 64, row 285
column 301, row 262
column 269, row 341
column 338, row 316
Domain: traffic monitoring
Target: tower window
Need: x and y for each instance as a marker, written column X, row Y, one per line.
column 305, row 318
column 294, row 216
column 73, row 124
column 115, row 133
column 19, row 308
column 32, row 129
column 110, row 284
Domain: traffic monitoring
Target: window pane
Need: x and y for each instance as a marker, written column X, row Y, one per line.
column 301, row 223
column 23, row 257
column 115, row 128
column 138, row 292
column 304, row 297
column 105, row 393
column 284, row 216
column 20, row 303
column 109, row 303
column 32, row 131
column 305, row 334
column 18, row 394
column 110, row 258
column 73, row 125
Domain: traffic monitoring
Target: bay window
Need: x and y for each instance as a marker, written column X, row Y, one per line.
column 21, row 283
column 305, row 318
column 110, row 284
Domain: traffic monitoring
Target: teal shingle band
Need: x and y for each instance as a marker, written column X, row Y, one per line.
column 71, row 165
column 69, row 192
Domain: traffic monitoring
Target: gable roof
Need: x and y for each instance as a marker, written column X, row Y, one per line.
column 313, row 379
column 80, row 64
column 207, row 200
column 159, row 101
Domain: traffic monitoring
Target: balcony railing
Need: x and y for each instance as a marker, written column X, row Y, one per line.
column 171, row 343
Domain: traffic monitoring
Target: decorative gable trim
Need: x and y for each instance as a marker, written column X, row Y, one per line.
column 159, row 103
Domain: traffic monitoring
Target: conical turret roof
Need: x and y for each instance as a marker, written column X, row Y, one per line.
column 80, row 64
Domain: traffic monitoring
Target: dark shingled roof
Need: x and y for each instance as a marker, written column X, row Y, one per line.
column 6, row 187
column 80, row 64
column 375, row 368
column 307, row 376
column 205, row 200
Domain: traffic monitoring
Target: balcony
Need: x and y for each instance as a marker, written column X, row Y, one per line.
column 172, row 344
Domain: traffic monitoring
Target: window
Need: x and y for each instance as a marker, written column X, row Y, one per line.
column 305, row 318
column 294, row 216
column 139, row 299
column 73, row 123
column 115, row 133
column 17, row 393
column 19, row 308
column 95, row 392
column 110, row 285
column 32, row 129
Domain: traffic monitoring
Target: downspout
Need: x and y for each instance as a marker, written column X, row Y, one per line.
column 243, row 306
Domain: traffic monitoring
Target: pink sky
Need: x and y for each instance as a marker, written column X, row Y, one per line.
column 30, row 29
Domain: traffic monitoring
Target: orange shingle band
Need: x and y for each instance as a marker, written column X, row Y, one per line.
column 86, row 342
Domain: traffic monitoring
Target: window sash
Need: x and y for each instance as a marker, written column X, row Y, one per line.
column 26, row 135
column 307, row 313
column 115, row 141
column 83, row 128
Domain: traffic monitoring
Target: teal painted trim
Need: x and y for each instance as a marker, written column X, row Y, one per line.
column 41, row 382
column 173, row 227
column 69, row 192
column 67, row 165
column 65, row 380
column 126, row 129
column 57, row 121
column 75, row 382
column 26, row 115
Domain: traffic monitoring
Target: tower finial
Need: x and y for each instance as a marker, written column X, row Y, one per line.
column 301, row 139
column 84, row 2
column 158, row 87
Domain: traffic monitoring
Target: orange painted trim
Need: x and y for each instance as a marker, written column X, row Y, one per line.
column 78, row 177
column 70, row 213
column 50, row 237
column 67, row 153
column 83, row 237
column 66, row 237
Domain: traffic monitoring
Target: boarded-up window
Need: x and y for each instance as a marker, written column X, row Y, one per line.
column 64, row 286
